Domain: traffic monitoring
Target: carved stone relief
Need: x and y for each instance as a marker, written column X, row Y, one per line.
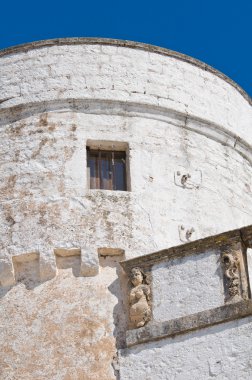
column 186, row 233
column 139, row 298
column 188, row 178
column 231, row 265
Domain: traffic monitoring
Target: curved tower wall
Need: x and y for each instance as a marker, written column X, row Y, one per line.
column 188, row 135
column 174, row 116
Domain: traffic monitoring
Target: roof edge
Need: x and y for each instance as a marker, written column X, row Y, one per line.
column 124, row 43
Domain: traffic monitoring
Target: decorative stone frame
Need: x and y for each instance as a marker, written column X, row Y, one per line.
column 232, row 246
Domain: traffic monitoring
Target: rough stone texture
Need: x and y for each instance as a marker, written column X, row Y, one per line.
column 174, row 117
column 57, row 329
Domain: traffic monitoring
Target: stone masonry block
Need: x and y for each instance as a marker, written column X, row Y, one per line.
column 89, row 262
column 47, row 263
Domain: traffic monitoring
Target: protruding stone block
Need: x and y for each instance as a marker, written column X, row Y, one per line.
column 89, row 262
column 48, row 269
column 7, row 277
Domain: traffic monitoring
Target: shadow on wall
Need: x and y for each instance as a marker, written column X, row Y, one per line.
column 111, row 259
column 71, row 262
column 27, row 270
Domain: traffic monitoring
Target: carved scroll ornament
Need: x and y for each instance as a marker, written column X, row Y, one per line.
column 231, row 264
column 139, row 299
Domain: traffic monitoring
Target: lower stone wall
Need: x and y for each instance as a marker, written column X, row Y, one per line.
column 66, row 328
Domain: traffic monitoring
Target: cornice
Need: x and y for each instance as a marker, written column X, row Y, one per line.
column 192, row 248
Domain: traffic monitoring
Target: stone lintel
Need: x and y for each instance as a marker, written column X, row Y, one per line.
column 223, row 240
column 182, row 325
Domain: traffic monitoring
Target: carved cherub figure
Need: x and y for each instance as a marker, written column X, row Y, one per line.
column 139, row 298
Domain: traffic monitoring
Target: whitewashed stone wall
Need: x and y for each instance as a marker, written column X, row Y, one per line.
column 177, row 119
column 46, row 202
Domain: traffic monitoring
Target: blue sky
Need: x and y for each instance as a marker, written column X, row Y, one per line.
column 216, row 32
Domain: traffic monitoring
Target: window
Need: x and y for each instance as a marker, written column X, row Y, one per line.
column 106, row 169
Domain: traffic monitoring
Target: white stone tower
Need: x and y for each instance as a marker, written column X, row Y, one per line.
column 110, row 150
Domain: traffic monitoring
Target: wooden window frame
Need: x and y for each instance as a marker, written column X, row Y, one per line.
column 110, row 156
